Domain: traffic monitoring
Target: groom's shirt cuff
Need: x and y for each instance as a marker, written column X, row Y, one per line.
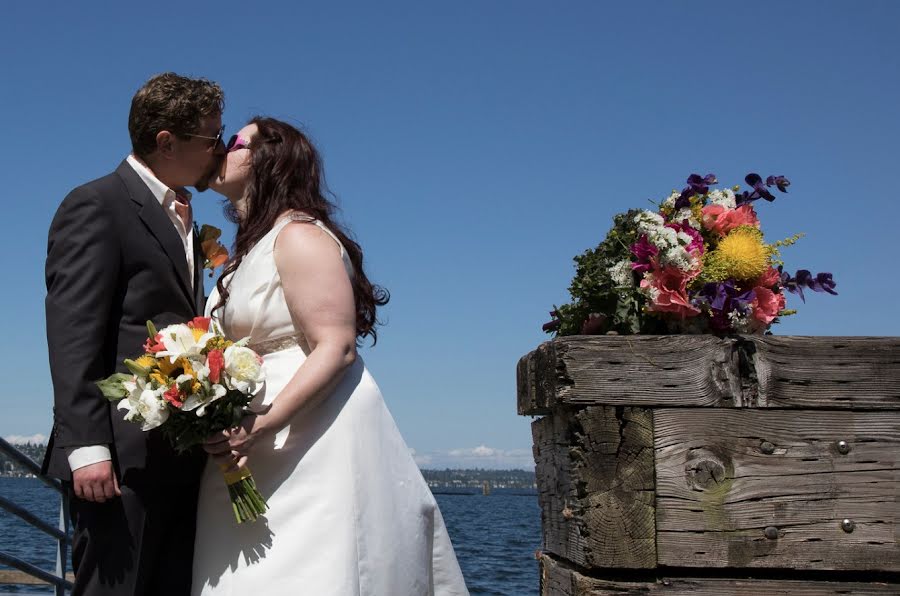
column 85, row 456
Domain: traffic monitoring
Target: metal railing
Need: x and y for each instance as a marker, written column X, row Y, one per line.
column 61, row 533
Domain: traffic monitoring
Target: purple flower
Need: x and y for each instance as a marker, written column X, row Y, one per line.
column 759, row 189
column 825, row 283
column 725, row 297
column 701, row 185
column 553, row 325
column 755, row 180
column 779, row 181
column 822, row 282
column 697, row 185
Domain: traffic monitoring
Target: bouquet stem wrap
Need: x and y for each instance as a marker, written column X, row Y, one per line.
column 246, row 500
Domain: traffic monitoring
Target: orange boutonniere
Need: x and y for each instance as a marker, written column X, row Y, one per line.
column 214, row 253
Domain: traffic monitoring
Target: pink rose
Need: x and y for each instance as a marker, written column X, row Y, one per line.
column 766, row 305
column 768, row 279
column 721, row 220
column 672, row 286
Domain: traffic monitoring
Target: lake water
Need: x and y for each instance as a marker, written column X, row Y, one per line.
column 495, row 536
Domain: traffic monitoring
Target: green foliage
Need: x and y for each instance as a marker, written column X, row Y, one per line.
column 112, row 387
column 185, row 429
column 593, row 289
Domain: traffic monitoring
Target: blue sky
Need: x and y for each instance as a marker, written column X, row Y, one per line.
column 475, row 148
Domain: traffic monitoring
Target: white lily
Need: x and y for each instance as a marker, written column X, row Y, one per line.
column 200, row 403
column 201, row 370
column 145, row 404
column 180, row 340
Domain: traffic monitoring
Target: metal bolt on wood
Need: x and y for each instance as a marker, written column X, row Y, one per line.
column 843, row 447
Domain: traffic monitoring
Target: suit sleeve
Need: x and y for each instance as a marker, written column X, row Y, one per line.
column 83, row 260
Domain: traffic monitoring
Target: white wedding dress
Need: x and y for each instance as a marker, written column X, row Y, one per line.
column 349, row 512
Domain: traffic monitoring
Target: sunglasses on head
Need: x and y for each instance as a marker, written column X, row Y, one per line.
column 236, row 143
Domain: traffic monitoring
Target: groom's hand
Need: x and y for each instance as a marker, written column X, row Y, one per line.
column 96, row 482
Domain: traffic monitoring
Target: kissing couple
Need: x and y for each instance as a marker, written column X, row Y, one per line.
column 348, row 510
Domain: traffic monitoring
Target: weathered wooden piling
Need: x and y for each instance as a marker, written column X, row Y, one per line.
column 704, row 465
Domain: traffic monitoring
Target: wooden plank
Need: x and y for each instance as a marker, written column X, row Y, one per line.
column 11, row 576
column 827, row 372
column 702, row 370
column 594, row 470
column 558, row 579
column 637, row 370
column 724, row 477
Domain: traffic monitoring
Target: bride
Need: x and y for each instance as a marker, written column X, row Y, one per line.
column 349, row 512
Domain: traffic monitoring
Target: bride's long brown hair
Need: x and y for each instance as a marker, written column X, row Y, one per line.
column 286, row 174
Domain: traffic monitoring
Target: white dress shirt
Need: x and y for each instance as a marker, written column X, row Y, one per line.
column 80, row 457
column 166, row 198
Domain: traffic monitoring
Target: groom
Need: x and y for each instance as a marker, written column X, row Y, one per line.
column 122, row 250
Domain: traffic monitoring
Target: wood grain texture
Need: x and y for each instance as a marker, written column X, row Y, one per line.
column 594, row 470
column 637, row 370
column 703, row 370
column 826, row 372
column 723, row 477
column 558, row 579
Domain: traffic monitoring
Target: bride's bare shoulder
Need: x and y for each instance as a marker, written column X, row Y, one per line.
column 301, row 237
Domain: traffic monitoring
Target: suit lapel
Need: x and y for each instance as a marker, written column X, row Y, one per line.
column 199, row 292
column 159, row 224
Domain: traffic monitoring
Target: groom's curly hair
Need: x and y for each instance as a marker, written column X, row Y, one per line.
column 286, row 175
column 172, row 102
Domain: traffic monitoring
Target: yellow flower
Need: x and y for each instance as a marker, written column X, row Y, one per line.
column 146, row 361
column 217, row 343
column 188, row 370
column 741, row 255
column 198, row 333
column 166, row 367
column 697, row 210
column 161, row 379
column 185, row 365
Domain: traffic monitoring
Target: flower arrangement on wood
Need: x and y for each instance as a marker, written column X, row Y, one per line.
column 697, row 264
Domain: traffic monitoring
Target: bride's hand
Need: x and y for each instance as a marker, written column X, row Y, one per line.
column 231, row 447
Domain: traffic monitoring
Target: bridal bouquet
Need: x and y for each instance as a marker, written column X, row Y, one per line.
column 192, row 382
column 696, row 264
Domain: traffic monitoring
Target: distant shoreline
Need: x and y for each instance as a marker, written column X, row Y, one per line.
column 452, row 480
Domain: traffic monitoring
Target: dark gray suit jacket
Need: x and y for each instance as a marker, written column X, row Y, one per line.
column 114, row 261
